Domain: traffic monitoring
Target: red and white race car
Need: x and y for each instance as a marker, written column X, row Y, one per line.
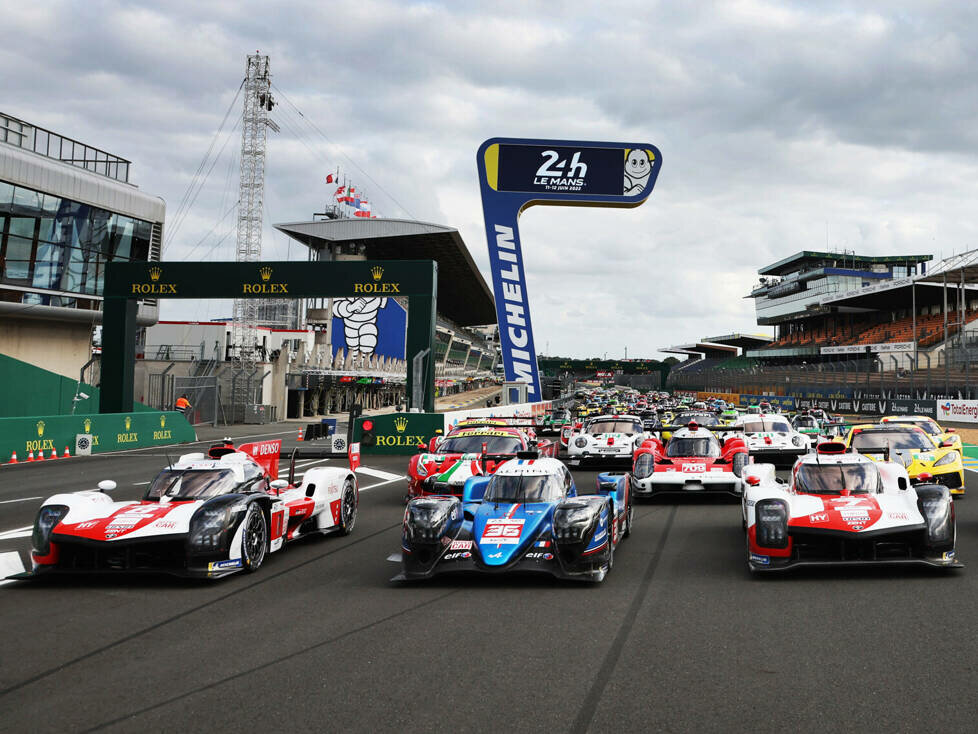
column 694, row 460
column 471, row 449
column 204, row 516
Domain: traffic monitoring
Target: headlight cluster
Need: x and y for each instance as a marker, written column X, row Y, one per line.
column 771, row 525
column 580, row 442
column 425, row 519
column 644, row 466
column 940, row 519
column 47, row 518
column 948, row 458
column 796, row 440
column 571, row 524
column 207, row 528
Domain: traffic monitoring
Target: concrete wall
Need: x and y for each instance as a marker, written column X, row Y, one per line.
column 61, row 347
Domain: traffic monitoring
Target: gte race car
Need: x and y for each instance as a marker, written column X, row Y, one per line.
column 909, row 445
column 526, row 517
column 556, row 419
column 203, row 516
column 693, row 461
column 946, row 437
column 841, row 507
column 606, row 438
column 472, row 449
column 770, row 438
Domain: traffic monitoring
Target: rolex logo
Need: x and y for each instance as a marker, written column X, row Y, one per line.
column 128, row 422
column 377, row 272
column 162, row 421
column 266, row 273
column 40, row 428
column 400, row 424
column 155, row 272
column 88, row 425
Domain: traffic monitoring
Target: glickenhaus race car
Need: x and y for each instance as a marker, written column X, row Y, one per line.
column 694, row 460
column 606, row 438
column 842, row 508
column 526, row 517
column 203, row 516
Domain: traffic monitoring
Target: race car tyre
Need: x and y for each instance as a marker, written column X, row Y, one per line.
column 611, row 539
column 629, row 515
column 739, row 462
column 254, row 539
column 348, row 508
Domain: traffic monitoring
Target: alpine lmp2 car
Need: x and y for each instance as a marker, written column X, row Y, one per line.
column 842, row 508
column 606, row 438
column 694, row 460
column 526, row 517
column 203, row 516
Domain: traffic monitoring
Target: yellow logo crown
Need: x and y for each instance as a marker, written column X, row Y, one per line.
column 128, row 422
column 162, row 421
column 400, row 424
column 266, row 273
column 40, row 428
column 377, row 272
column 155, row 272
column 88, row 425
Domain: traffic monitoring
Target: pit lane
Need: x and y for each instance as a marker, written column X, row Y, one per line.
column 679, row 636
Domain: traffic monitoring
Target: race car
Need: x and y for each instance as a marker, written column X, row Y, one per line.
column 526, row 517
column 728, row 416
column 550, row 424
column 771, row 438
column 607, row 438
column 807, row 425
column 842, row 508
column 471, row 449
column 203, row 516
column 912, row 447
column 932, row 427
column 693, row 461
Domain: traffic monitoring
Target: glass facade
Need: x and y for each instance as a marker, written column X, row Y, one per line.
column 51, row 243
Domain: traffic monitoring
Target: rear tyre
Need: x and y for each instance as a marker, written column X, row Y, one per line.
column 348, row 507
column 254, row 539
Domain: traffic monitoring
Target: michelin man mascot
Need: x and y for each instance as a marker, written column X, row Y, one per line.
column 359, row 322
column 638, row 166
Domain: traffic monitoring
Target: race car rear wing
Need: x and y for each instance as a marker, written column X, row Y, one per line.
column 353, row 455
column 488, row 424
column 715, row 429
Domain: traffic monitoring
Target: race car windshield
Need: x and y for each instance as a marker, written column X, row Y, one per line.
column 806, row 422
column 760, row 426
column 703, row 419
column 559, row 415
column 693, row 447
column 868, row 442
column 473, row 445
column 833, row 478
column 523, row 489
column 191, row 484
column 615, row 427
column 928, row 426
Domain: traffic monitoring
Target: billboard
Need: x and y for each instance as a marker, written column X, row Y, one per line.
column 957, row 411
column 370, row 326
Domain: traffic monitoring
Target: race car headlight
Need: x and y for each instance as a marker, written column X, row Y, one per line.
column 207, row 528
column 47, row 518
column 571, row 524
column 938, row 513
column 771, row 524
column 796, row 440
column 949, row 458
column 644, row 465
column 580, row 442
column 425, row 519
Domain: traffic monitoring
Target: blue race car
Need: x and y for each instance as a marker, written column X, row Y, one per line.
column 526, row 517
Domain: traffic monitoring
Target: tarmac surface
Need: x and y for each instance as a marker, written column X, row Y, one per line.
column 679, row 637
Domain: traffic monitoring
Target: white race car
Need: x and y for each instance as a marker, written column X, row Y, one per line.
column 844, row 508
column 606, row 438
column 204, row 516
column 771, row 438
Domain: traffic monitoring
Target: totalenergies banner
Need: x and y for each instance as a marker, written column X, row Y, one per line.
column 957, row 411
column 515, row 174
column 730, row 397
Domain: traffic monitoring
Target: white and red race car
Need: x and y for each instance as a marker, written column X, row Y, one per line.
column 843, row 508
column 203, row 516
column 605, row 438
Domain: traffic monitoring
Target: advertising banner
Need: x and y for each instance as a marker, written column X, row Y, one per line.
column 730, row 397
column 785, row 402
column 957, row 411
column 515, row 174
column 396, row 433
column 913, row 407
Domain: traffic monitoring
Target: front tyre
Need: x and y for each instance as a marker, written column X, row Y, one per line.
column 254, row 539
column 348, row 507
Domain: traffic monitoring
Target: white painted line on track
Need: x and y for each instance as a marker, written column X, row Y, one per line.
column 380, row 484
column 139, row 484
column 22, row 499
column 17, row 533
column 10, row 563
column 308, row 462
column 377, row 473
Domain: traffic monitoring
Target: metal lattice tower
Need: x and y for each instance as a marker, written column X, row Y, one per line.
column 251, row 190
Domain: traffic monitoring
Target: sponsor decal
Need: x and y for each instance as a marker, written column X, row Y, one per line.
column 502, row 531
column 542, row 544
column 948, row 555
column 495, row 555
column 456, row 556
column 154, row 287
column 818, row 517
column 165, row 524
column 264, row 287
column 762, row 560
column 898, row 516
column 461, row 545
column 694, row 468
column 221, row 565
column 540, row 556
column 86, row 525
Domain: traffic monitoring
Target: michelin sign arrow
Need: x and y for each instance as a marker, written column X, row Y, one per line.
column 515, row 174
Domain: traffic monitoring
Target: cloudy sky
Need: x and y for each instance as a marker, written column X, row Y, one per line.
column 783, row 126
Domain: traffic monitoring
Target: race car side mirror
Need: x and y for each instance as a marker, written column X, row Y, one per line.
column 950, row 430
column 752, row 480
column 902, row 482
column 106, row 485
column 278, row 484
column 947, row 444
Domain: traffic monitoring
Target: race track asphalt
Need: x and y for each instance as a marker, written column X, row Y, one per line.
column 679, row 637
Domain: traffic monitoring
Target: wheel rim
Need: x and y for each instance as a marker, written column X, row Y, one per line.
column 255, row 539
column 349, row 507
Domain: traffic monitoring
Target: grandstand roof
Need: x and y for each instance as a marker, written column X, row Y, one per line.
column 744, row 341
column 792, row 263
column 891, row 294
column 463, row 295
column 957, row 268
column 702, row 348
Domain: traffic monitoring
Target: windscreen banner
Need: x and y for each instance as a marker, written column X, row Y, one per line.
column 515, row 174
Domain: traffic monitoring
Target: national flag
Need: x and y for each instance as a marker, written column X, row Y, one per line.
column 360, row 213
column 330, row 178
column 339, row 193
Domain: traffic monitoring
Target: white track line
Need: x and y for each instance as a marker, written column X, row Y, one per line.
column 10, row 563
column 377, row 473
column 307, row 462
column 22, row 499
column 380, row 484
column 17, row 533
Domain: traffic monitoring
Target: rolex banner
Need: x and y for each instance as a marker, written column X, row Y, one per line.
column 90, row 434
column 397, row 433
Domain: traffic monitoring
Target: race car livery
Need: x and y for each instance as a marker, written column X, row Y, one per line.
column 607, row 438
column 694, row 460
column 526, row 517
column 203, row 516
column 946, row 437
column 911, row 446
column 842, row 508
column 771, row 438
column 552, row 423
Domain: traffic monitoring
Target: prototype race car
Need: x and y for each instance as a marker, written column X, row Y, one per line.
column 842, row 508
column 472, row 449
column 203, row 516
column 912, row 447
column 771, row 438
column 607, row 438
column 693, row 461
column 526, row 517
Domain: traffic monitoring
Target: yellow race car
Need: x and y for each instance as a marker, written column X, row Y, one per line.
column 911, row 446
column 932, row 427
